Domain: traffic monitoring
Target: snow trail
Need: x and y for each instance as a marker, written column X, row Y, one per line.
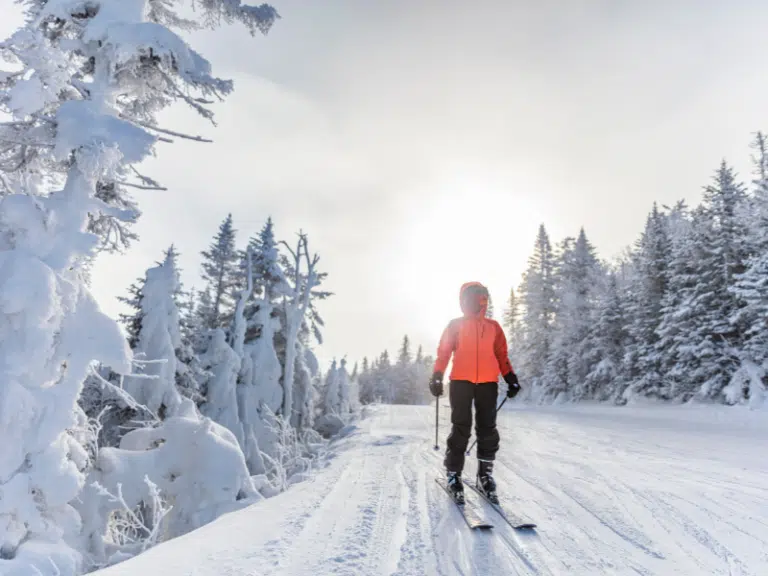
column 614, row 491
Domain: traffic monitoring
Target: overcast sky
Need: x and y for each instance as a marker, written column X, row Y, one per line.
column 420, row 144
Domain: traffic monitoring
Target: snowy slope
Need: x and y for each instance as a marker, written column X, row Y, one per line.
column 614, row 491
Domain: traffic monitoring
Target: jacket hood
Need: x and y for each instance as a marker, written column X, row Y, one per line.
column 483, row 308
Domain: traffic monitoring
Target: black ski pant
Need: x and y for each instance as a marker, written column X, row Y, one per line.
column 462, row 394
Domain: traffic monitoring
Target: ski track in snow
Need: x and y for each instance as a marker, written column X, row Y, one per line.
column 613, row 490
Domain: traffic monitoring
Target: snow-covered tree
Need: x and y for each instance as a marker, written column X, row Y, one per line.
column 331, row 390
column 220, row 274
column 162, row 482
column 344, row 382
column 304, row 280
column 537, row 297
column 223, row 366
column 89, row 81
column 511, row 324
column 490, row 311
column 703, row 345
column 404, row 382
column 259, row 392
column 404, row 357
column 511, row 317
column 608, row 340
column 750, row 289
column 577, row 277
column 650, row 263
column 154, row 384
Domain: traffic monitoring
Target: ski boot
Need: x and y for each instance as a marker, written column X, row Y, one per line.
column 485, row 482
column 455, row 487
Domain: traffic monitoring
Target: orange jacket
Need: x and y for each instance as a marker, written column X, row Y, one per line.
column 478, row 345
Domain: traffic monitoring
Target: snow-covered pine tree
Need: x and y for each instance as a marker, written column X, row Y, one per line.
column 490, row 310
column 511, row 324
column 343, row 382
column 607, row 339
column 586, row 281
column 405, row 357
column 404, row 376
column 538, row 300
column 220, row 275
column 750, row 382
column 89, row 80
column 259, row 393
column 366, row 383
column 511, row 315
column 677, row 309
column 189, row 374
column 698, row 337
column 555, row 376
column 132, row 320
column 154, row 384
column 268, row 275
column 750, row 316
column 223, row 367
column 650, row 263
column 331, row 401
column 383, row 385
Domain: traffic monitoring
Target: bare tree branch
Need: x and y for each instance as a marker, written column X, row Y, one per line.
column 141, row 187
column 169, row 132
column 145, row 179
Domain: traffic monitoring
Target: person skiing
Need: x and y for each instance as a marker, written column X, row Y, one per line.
column 479, row 349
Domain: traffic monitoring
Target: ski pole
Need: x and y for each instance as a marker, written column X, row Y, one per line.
column 497, row 409
column 437, row 419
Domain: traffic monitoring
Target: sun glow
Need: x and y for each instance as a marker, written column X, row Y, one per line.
column 467, row 228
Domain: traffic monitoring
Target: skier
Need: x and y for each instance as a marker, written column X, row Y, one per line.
column 479, row 349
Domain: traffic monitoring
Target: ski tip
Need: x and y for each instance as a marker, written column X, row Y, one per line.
column 528, row 527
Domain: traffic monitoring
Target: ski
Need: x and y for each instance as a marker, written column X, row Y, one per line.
column 512, row 519
column 468, row 511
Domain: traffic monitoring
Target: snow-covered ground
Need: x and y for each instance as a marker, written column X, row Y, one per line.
column 658, row 490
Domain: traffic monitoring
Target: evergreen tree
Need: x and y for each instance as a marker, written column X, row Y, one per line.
column 722, row 254
column 697, row 330
column 220, row 274
column 383, row 387
column 650, row 261
column 490, row 310
column 577, row 278
column 750, row 290
column 331, row 403
column 537, row 295
column 607, row 341
column 404, row 358
column 268, row 275
column 511, row 318
column 677, row 311
column 132, row 320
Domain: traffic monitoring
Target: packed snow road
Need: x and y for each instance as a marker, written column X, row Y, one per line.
column 614, row 491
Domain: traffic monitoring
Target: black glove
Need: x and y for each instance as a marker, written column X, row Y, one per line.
column 513, row 386
column 436, row 384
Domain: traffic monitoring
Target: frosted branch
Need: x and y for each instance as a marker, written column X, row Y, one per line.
column 145, row 179
column 141, row 187
column 31, row 144
column 129, row 400
column 169, row 132
column 126, row 528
